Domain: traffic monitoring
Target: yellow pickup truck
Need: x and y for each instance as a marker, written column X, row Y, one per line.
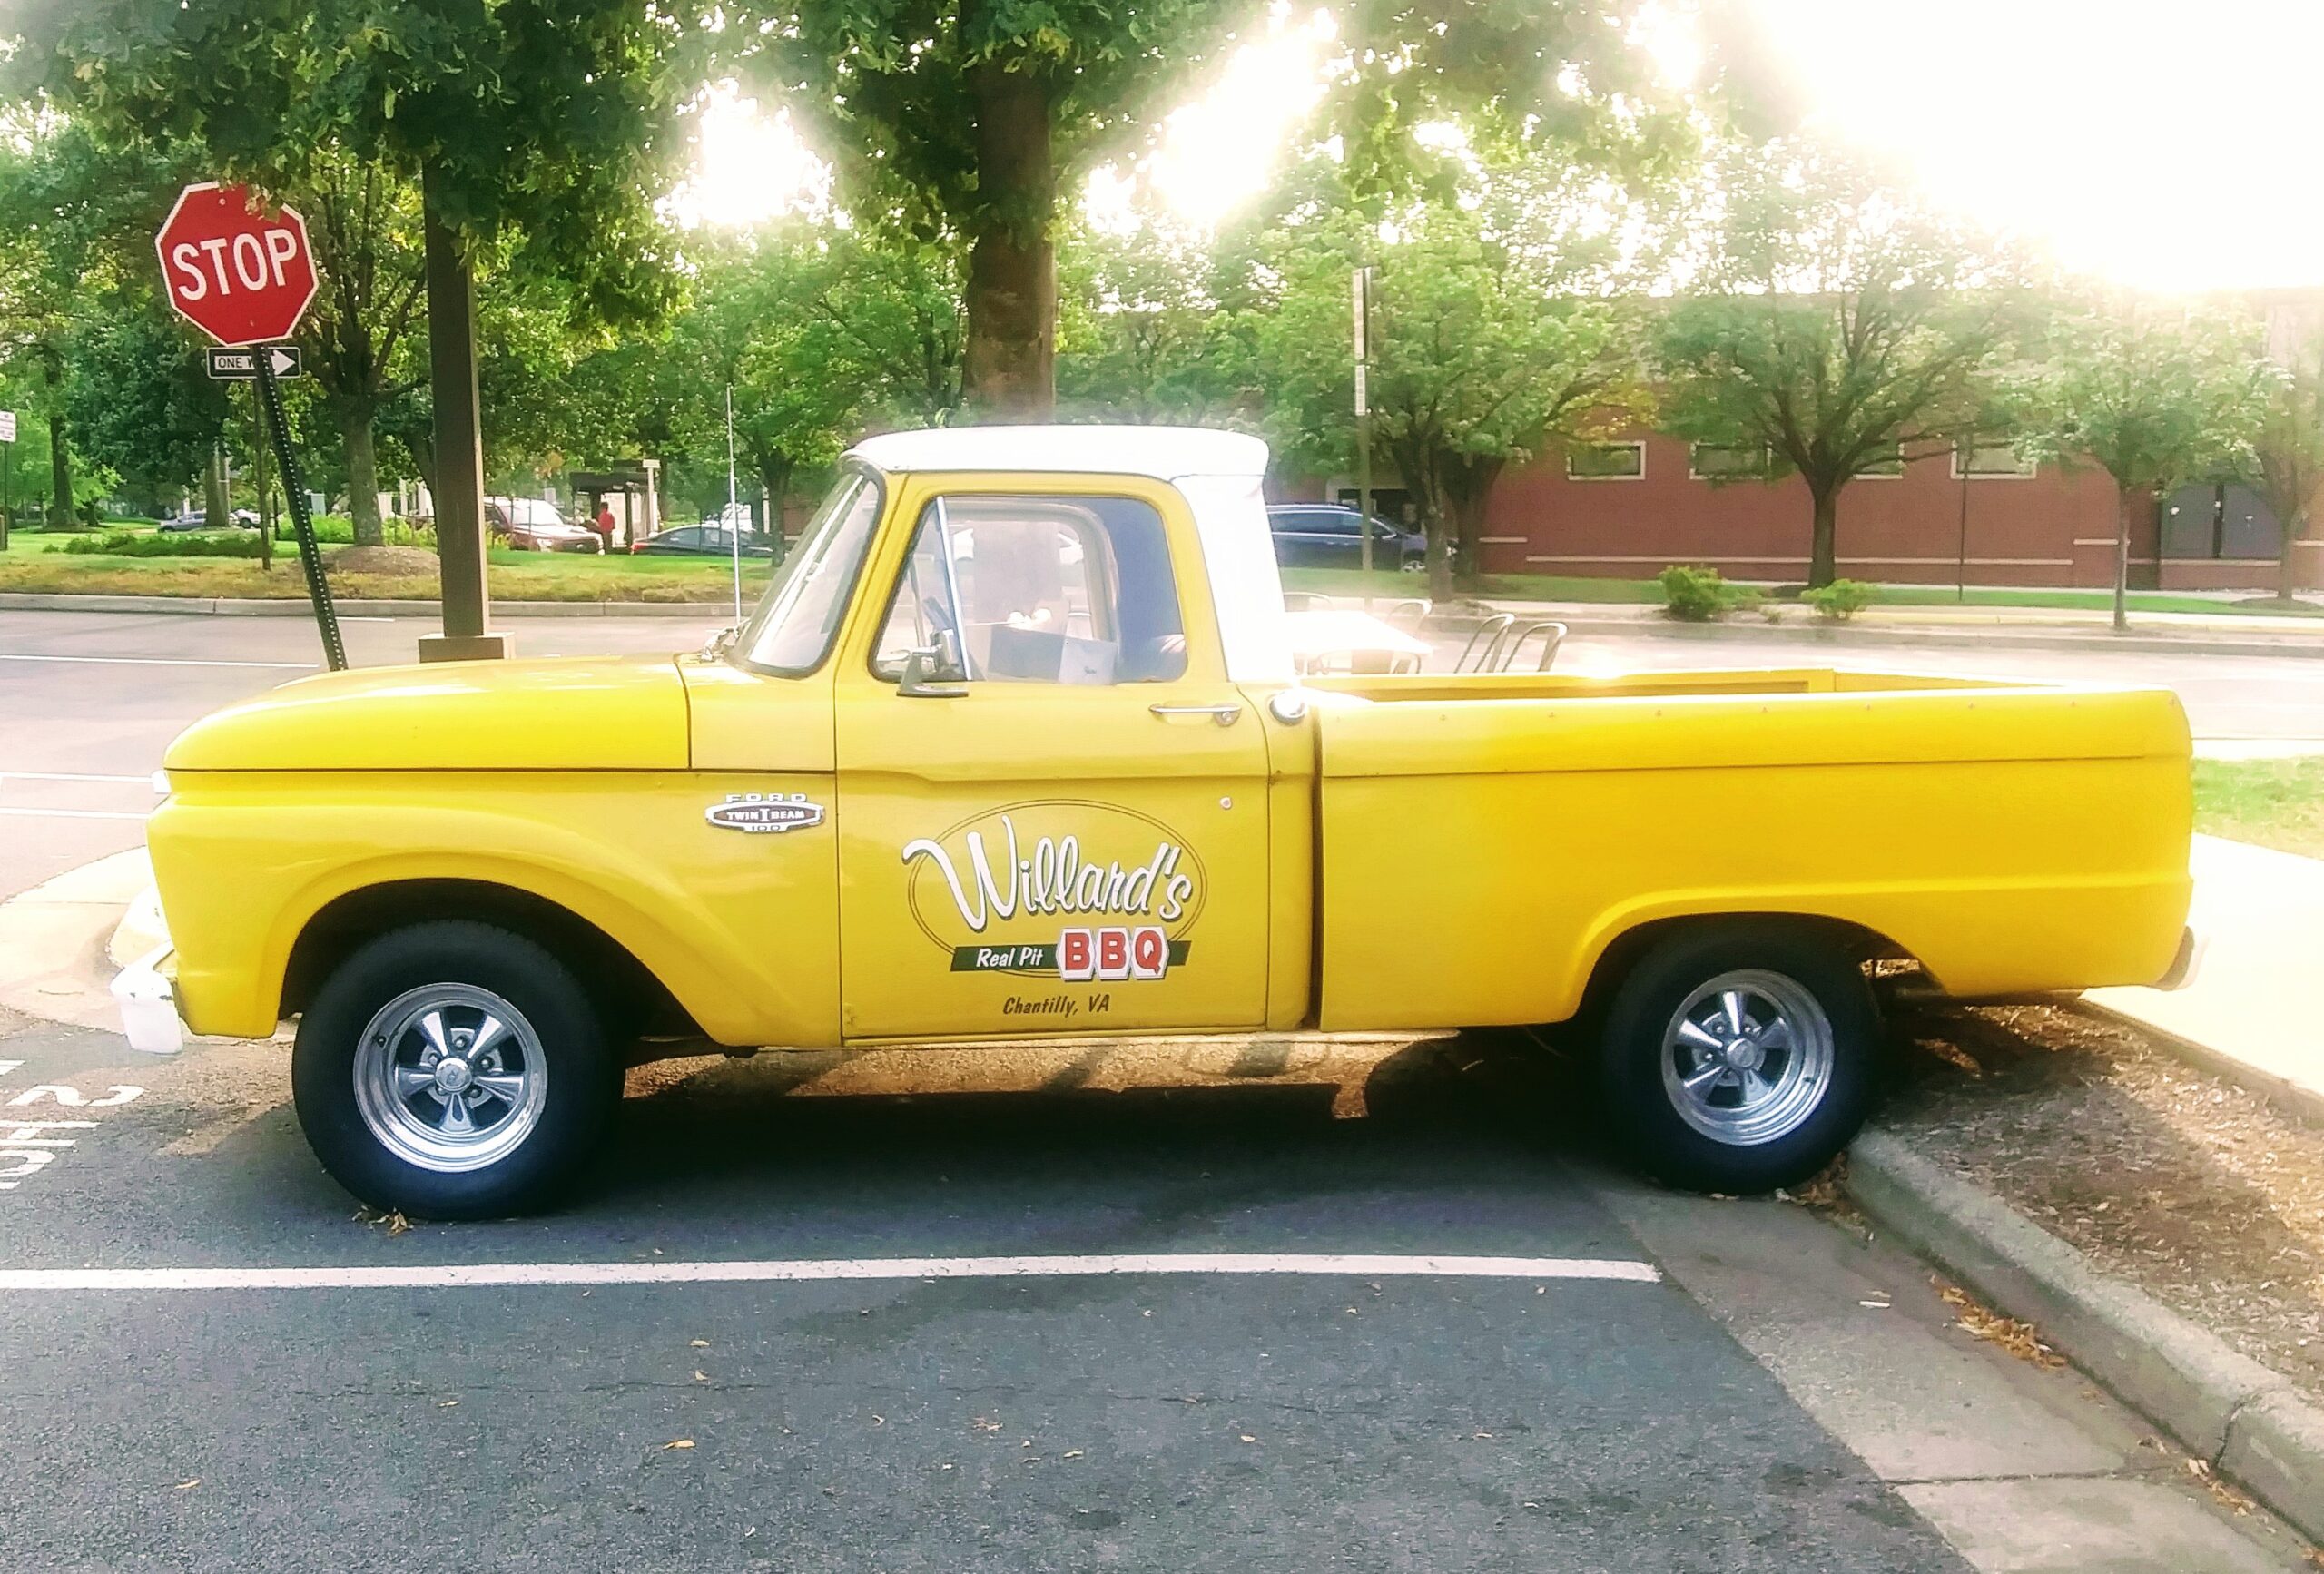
column 1014, row 747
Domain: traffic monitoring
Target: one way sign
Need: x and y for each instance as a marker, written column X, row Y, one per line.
column 242, row 365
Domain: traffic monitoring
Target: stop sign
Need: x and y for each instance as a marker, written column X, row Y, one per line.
column 239, row 273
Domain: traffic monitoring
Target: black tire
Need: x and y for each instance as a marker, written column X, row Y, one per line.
column 581, row 1077
column 1802, row 1137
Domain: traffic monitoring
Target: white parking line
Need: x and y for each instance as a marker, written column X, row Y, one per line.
column 163, row 661
column 73, row 814
column 470, row 1275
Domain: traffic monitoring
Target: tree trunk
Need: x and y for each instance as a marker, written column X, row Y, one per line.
column 1468, row 486
column 362, row 472
column 1009, row 362
column 1823, row 552
column 2287, row 582
column 774, row 481
column 60, row 467
column 215, row 502
column 2122, row 559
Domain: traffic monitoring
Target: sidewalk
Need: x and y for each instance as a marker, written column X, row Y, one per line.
column 2248, row 1015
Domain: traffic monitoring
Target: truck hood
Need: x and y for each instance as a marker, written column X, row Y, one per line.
column 576, row 714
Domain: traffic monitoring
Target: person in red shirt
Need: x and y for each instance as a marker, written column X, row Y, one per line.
column 605, row 524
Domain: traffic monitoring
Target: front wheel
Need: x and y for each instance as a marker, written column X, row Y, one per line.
column 452, row 1070
column 1741, row 1060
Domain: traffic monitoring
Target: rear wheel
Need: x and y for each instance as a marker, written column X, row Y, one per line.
column 453, row 1070
column 1738, row 1059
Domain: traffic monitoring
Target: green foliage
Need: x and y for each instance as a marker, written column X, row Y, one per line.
column 133, row 544
column 1837, row 325
column 1840, row 600
column 2288, row 446
column 2153, row 396
column 543, row 125
column 1493, row 331
column 1141, row 336
column 1701, row 596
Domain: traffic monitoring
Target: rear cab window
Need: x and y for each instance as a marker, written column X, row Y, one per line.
column 1039, row 588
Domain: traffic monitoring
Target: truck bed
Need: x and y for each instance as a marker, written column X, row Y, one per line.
column 1484, row 838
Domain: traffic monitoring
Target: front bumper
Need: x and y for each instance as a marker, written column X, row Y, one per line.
column 149, row 1006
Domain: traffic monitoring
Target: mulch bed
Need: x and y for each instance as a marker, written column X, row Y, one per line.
column 2200, row 1192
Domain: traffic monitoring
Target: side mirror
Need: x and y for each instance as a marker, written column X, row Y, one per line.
column 934, row 671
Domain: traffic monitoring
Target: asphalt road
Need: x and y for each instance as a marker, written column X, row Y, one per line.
column 89, row 701
column 1753, row 1388
column 1785, row 1397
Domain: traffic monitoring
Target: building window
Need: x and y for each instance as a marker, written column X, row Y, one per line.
column 1990, row 459
column 1886, row 466
column 1710, row 462
column 1605, row 462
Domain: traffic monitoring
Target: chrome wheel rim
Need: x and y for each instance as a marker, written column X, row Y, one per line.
column 1748, row 1058
column 450, row 1078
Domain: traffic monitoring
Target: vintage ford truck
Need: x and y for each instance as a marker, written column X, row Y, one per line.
column 1013, row 747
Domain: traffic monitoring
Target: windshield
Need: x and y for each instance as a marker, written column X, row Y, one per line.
column 792, row 631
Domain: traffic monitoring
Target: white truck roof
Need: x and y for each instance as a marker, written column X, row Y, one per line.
column 1163, row 453
column 1217, row 473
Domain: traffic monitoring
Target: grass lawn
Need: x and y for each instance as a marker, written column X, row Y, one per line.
column 2277, row 803
column 1649, row 592
column 515, row 577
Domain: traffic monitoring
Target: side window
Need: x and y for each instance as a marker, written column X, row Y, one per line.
column 1051, row 590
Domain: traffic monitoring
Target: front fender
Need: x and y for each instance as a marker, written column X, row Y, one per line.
column 245, row 862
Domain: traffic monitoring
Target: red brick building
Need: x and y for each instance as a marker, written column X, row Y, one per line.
column 1625, row 510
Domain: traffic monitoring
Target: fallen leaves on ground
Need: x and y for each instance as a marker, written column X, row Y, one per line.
column 393, row 1218
column 187, row 1485
column 683, row 1442
column 2227, row 1496
column 2019, row 1338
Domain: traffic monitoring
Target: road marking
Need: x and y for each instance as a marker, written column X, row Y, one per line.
column 470, row 1275
column 145, row 781
column 163, row 661
column 73, row 814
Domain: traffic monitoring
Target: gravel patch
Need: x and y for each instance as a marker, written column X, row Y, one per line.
column 2198, row 1191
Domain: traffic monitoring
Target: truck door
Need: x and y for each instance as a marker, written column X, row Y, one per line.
column 1053, row 820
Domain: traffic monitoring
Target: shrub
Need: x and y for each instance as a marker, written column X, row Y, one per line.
column 338, row 530
column 1700, row 596
column 129, row 544
column 1842, row 599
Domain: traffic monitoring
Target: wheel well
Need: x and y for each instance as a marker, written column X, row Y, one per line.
column 1866, row 946
column 633, row 999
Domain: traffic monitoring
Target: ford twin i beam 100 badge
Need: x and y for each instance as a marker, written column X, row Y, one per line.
column 761, row 813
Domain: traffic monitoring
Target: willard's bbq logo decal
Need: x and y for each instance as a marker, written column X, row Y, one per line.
column 1065, row 890
column 764, row 814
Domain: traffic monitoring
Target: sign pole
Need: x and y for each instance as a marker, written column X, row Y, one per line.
column 294, row 486
column 258, row 469
column 1363, row 424
column 734, row 527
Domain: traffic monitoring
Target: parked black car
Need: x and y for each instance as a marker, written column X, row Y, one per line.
column 1328, row 536
column 703, row 541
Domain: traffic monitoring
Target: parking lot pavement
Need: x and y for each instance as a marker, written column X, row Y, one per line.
column 1719, row 1409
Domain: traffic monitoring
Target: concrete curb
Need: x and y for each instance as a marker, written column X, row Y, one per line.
column 225, row 607
column 1985, row 637
column 2290, row 1097
column 2244, row 1418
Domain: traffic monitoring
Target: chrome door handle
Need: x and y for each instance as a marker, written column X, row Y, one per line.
column 1223, row 714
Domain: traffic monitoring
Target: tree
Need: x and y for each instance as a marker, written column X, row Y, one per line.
column 1491, row 333
column 1836, row 327
column 358, row 333
column 2288, row 458
column 2155, row 396
column 72, row 213
column 969, row 117
column 1141, row 335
